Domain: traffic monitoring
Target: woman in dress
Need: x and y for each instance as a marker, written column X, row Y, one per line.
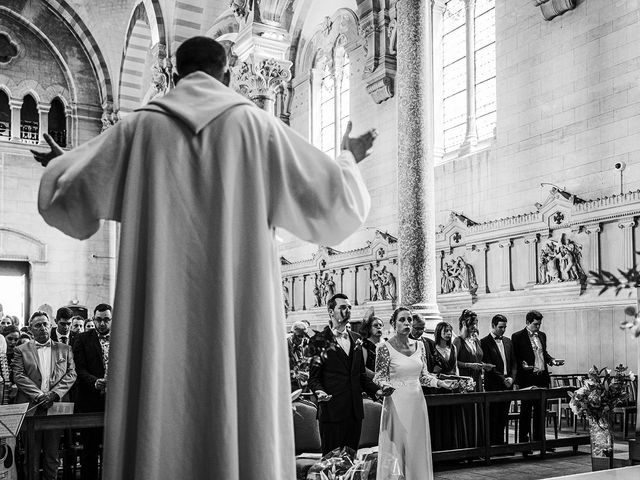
column 371, row 331
column 404, row 446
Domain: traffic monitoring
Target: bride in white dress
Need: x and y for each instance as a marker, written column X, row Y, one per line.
column 404, row 446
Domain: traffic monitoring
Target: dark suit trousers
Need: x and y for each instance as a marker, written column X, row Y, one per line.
column 525, row 414
column 498, row 412
column 340, row 434
column 48, row 441
column 91, row 440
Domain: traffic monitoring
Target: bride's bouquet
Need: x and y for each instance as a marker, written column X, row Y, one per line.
column 341, row 464
column 463, row 384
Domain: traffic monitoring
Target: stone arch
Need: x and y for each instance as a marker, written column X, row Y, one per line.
column 18, row 245
column 224, row 28
column 63, row 10
column 132, row 70
column 187, row 21
column 6, row 90
column 343, row 30
column 31, row 88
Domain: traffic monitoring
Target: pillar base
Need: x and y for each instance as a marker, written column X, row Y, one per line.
column 634, row 451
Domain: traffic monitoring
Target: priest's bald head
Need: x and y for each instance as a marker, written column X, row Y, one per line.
column 202, row 54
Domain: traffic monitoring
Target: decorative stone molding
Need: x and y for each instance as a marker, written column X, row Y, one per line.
column 561, row 261
column 8, row 49
column 552, row 8
column 18, row 245
column 456, row 275
column 378, row 30
column 109, row 117
column 161, row 71
column 260, row 80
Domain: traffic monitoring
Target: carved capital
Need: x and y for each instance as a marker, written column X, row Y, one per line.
column 627, row 223
column 43, row 108
column 260, row 80
column 532, row 240
column 109, row 117
column 592, row 229
column 505, row 244
column 15, row 104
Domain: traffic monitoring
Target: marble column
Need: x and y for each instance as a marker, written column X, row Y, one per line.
column 15, row 106
column 628, row 258
column 507, row 283
column 594, row 243
column 417, row 229
column 43, row 122
column 532, row 255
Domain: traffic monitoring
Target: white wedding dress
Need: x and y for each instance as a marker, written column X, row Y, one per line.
column 404, row 445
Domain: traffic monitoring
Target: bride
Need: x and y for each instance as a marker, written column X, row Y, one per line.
column 404, row 446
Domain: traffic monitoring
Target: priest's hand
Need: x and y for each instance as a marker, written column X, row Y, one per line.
column 360, row 146
column 44, row 158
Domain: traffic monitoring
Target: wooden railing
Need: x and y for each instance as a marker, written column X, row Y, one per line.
column 484, row 399
column 76, row 421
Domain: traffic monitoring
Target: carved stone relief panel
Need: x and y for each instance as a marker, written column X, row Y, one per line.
column 382, row 284
column 560, row 261
column 457, row 276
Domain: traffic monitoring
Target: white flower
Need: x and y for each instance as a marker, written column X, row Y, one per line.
column 632, row 376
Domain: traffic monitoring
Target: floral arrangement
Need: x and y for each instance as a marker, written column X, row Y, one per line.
column 602, row 391
column 312, row 351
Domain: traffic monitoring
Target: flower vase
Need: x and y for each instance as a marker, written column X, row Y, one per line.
column 601, row 443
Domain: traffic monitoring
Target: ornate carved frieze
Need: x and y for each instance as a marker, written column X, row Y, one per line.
column 161, row 71
column 456, row 275
column 378, row 30
column 261, row 80
column 552, row 8
column 561, row 261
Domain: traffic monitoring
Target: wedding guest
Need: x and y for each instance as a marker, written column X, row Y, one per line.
column 404, row 446
column 89, row 325
column 11, row 335
column 297, row 340
column 371, row 332
column 532, row 358
column 339, row 380
column 498, row 350
column 470, row 364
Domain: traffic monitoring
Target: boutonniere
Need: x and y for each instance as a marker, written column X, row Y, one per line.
column 358, row 343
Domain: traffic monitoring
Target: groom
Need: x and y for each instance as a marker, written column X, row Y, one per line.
column 338, row 381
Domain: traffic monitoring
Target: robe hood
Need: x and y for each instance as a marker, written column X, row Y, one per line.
column 196, row 101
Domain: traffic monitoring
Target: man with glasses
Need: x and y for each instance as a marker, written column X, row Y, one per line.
column 43, row 371
column 91, row 352
column 339, row 380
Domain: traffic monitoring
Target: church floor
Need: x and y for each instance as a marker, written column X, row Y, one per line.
column 562, row 462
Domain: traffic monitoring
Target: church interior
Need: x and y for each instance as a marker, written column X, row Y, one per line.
column 505, row 176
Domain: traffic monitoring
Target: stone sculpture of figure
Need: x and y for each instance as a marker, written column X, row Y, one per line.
column 376, row 286
column 328, row 287
column 570, row 261
column 444, row 283
column 317, row 294
column 389, row 284
column 549, row 263
column 468, row 275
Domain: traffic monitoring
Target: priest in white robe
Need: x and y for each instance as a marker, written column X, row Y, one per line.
column 199, row 179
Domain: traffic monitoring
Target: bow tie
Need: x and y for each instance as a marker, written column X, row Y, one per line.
column 342, row 334
column 104, row 337
column 497, row 339
column 533, row 334
column 43, row 345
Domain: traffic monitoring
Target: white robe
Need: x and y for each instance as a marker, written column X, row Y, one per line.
column 198, row 372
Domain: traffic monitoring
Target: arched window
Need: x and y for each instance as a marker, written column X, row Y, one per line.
column 29, row 120
column 5, row 115
column 468, row 72
column 331, row 100
column 58, row 122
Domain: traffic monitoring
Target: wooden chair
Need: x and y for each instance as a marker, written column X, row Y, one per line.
column 629, row 409
column 370, row 424
column 307, row 436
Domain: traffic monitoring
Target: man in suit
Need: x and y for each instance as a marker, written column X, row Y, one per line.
column 44, row 372
column 417, row 333
column 62, row 332
column 498, row 350
column 532, row 358
column 339, row 379
column 91, row 352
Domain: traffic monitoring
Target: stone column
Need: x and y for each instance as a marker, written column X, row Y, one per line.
column 15, row 106
column 626, row 226
column 594, row 242
column 304, row 292
column 438, row 17
column 417, row 229
column 471, row 137
column 506, row 245
column 484, row 248
column 532, row 273
column 43, row 122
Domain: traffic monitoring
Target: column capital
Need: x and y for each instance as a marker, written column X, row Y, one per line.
column 532, row 239
column 44, row 108
column 438, row 6
column 258, row 79
column 592, row 228
column 505, row 243
column 627, row 223
column 15, row 103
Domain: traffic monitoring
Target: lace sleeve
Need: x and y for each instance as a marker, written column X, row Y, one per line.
column 383, row 361
column 427, row 379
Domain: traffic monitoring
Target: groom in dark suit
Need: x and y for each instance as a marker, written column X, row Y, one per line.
column 339, row 380
column 498, row 350
column 532, row 358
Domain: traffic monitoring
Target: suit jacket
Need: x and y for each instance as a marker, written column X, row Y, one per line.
column 494, row 378
column 87, row 352
column 55, row 338
column 524, row 353
column 28, row 377
column 342, row 376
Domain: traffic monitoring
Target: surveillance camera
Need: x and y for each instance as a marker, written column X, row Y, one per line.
column 619, row 166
